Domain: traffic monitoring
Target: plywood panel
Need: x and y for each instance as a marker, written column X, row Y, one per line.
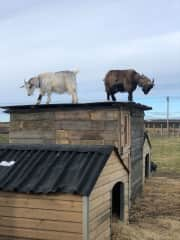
column 41, row 214
column 57, row 196
column 41, row 224
column 79, row 125
column 30, row 125
column 100, row 198
column 71, row 115
column 32, row 116
column 41, row 235
column 14, row 238
column 98, row 231
column 41, row 204
column 104, row 115
column 32, row 140
column 99, row 209
column 33, row 133
column 86, row 135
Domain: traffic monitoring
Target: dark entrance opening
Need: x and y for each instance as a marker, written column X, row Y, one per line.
column 147, row 166
column 118, row 201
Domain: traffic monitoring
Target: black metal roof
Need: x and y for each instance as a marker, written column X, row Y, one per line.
column 93, row 105
column 52, row 168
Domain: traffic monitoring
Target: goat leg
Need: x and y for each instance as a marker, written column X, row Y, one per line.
column 39, row 99
column 113, row 97
column 108, row 96
column 74, row 96
column 130, row 96
column 48, row 98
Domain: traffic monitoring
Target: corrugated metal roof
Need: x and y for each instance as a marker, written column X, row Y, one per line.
column 51, row 168
column 92, row 105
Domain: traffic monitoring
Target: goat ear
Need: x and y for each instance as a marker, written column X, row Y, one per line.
column 153, row 81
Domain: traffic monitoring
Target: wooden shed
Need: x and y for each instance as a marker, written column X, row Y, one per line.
column 61, row 192
column 114, row 123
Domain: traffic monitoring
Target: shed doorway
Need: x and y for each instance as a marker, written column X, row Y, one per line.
column 147, row 166
column 118, row 201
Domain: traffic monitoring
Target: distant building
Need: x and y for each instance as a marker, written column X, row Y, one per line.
column 160, row 127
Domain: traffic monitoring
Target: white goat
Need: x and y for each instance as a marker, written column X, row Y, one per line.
column 58, row 82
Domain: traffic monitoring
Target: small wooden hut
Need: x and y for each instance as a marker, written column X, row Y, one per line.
column 53, row 192
column 114, row 123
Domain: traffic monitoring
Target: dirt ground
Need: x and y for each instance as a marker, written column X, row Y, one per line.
column 156, row 215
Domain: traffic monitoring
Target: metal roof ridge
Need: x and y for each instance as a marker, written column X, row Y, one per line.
column 75, row 106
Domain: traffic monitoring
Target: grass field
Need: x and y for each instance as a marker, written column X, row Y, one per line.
column 156, row 215
column 166, row 153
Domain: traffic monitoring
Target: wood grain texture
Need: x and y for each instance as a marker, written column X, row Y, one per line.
column 45, row 217
column 100, row 207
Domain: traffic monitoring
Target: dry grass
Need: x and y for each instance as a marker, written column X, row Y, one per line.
column 156, row 215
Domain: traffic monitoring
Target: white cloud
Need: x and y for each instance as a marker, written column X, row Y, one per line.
column 92, row 36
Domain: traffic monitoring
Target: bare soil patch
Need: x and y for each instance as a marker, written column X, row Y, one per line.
column 156, row 215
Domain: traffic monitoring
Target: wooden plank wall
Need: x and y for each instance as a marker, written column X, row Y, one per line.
column 32, row 128
column 53, row 217
column 4, row 127
column 100, row 199
column 87, row 127
column 71, row 127
column 137, row 139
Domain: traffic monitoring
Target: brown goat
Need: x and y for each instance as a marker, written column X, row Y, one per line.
column 126, row 81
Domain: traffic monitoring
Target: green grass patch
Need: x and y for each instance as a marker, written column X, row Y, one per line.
column 166, row 153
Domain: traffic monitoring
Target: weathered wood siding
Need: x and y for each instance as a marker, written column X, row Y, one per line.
column 32, row 127
column 87, row 127
column 47, row 217
column 137, row 139
column 100, row 199
column 107, row 126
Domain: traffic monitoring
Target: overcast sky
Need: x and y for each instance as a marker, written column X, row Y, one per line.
column 94, row 36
